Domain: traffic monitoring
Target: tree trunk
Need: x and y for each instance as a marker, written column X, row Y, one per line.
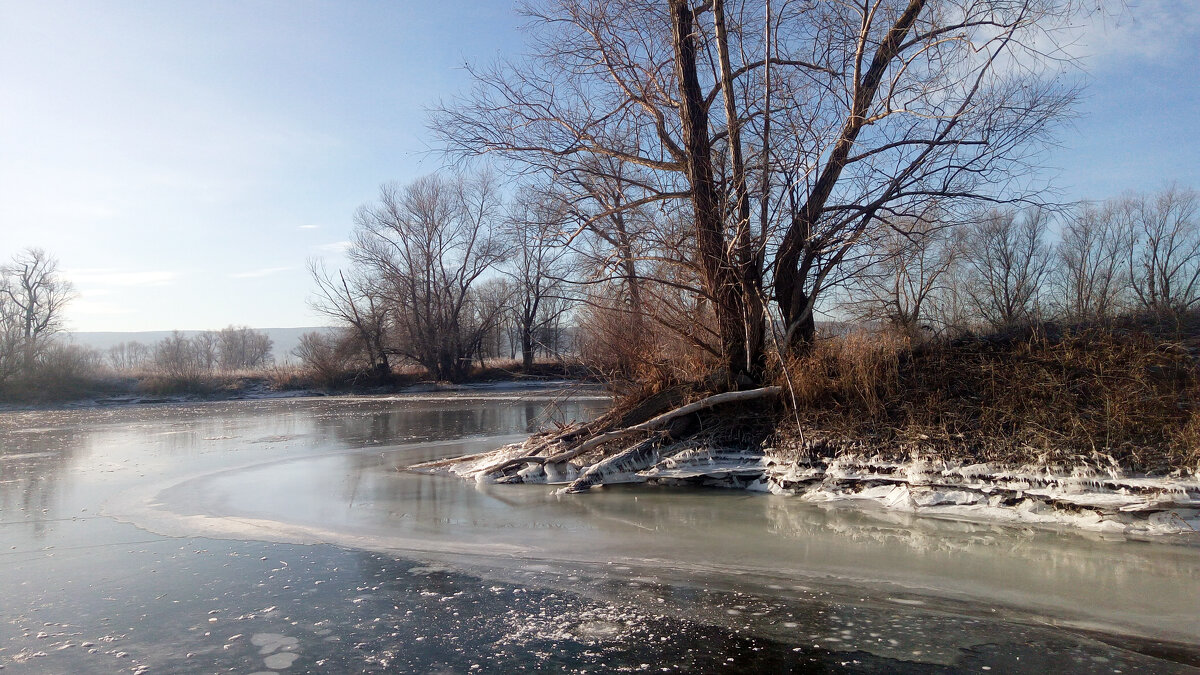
column 527, row 348
column 793, row 262
column 720, row 275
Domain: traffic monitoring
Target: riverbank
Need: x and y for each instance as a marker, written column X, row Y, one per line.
column 1094, row 427
column 1111, row 501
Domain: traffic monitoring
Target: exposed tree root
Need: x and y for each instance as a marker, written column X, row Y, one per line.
column 631, row 459
column 546, row 458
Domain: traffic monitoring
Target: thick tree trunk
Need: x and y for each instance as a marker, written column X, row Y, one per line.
column 799, row 329
column 741, row 358
column 527, row 348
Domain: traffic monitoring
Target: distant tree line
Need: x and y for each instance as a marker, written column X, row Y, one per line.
column 1137, row 254
column 444, row 273
column 187, row 357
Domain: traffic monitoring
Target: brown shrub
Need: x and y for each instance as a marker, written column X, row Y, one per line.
column 645, row 352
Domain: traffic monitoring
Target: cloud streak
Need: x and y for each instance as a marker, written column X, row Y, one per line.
column 337, row 247
column 258, row 274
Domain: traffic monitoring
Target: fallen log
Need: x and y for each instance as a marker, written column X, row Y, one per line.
column 533, row 455
column 653, row 424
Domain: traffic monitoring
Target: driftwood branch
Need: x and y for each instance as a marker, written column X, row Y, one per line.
column 655, row 423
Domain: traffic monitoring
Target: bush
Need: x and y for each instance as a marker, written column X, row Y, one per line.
column 648, row 351
column 61, row 371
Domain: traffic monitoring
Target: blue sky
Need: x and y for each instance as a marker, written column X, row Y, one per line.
column 184, row 159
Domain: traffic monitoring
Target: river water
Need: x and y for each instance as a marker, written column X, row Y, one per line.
column 283, row 536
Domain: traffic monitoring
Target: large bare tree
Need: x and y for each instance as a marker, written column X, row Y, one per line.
column 33, row 294
column 790, row 135
column 426, row 245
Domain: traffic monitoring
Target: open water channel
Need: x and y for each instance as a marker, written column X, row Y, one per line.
column 282, row 536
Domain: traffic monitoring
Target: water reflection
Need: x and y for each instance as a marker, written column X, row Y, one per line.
column 41, row 452
column 32, row 459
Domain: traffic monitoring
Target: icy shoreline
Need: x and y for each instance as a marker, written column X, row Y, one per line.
column 1085, row 499
column 1106, row 501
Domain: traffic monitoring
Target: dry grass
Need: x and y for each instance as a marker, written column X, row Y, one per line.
column 1045, row 394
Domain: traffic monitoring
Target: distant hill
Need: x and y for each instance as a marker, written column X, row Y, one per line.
column 283, row 340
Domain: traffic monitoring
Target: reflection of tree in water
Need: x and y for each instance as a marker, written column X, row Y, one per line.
column 1036, row 560
column 390, row 422
column 33, row 463
column 38, row 447
column 369, row 477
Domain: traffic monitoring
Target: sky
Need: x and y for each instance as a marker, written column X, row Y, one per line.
column 182, row 160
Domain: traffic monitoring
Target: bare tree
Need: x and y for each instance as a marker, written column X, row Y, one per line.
column 356, row 299
column 595, row 194
column 426, row 245
column 329, row 355
column 33, row 295
column 494, row 298
column 12, row 340
column 1164, row 265
column 907, row 276
column 1008, row 261
column 1093, row 255
column 538, row 267
column 788, row 135
column 128, row 356
column 207, row 347
column 241, row 347
column 177, row 357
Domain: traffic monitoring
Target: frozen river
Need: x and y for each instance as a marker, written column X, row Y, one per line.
column 282, row 536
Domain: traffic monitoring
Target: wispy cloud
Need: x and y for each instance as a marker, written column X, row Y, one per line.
column 337, row 247
column 118, row 277
column 1150, row 30
column 307, row 227
column 255, row 274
